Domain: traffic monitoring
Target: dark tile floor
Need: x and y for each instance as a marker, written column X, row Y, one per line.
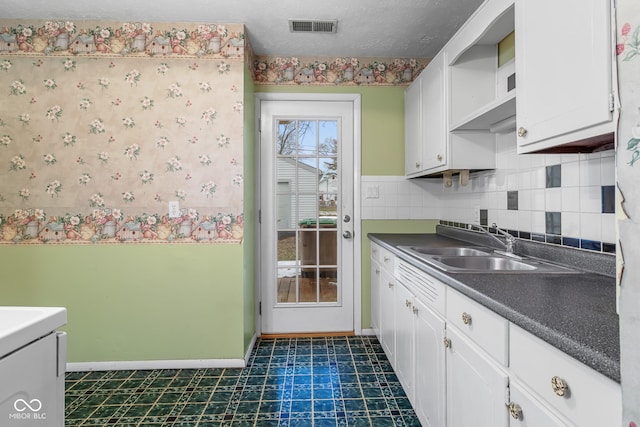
column 339, row 381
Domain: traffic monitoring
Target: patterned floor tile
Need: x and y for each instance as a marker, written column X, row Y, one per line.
column 288, row 382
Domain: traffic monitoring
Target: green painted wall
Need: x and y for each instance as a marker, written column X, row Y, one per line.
column 134, row 302
column 382, row 123
column 507, row 49
column 384, row 226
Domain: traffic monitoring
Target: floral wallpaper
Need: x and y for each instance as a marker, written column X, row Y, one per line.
column 336, row 71
column 101, row 127
column 628, row 199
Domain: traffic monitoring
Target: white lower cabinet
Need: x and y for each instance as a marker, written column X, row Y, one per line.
column 383, row 315
column 405, row 340
column 476, row 385
column 462, row 364
column 430, row 373
column 567, row 387
column 388, row 317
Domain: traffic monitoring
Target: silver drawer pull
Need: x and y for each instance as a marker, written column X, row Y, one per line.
column 560, row 386
column 515, row 410
column 466, row 318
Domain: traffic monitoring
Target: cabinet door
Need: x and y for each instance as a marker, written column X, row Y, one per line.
column 375, row 296
column 413, row 128
column 526, row 411
column 476, row 386
column 388, row 317
column 404, row 339
column 563, row 69
column 434, row 130
column 430, row 375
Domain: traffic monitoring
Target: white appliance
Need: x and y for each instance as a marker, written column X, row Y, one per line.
column 33, row 358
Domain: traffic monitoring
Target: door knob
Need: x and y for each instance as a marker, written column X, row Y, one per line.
column 347, row 234
column 346, row 218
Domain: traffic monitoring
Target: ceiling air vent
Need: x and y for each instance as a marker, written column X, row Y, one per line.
column 313, row 26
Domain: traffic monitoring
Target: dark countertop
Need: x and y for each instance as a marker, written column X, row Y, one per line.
column 575, row 313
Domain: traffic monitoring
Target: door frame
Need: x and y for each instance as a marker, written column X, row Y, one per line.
column 355, row 99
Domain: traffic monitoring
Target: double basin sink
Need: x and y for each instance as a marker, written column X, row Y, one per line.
column 469, row 259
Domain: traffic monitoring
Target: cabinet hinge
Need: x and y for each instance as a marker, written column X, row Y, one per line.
column 612, row 103
column 260, row 308
column 259, row 125
column 507, row 395
column 259, row 216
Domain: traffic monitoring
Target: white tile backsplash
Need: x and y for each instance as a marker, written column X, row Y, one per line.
column 578, row 198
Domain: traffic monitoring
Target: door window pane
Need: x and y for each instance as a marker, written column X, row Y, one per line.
column 307, row 211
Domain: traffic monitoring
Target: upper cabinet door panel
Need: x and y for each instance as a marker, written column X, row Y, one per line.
column 434, row 127
column 563, row 68
column 413, row 128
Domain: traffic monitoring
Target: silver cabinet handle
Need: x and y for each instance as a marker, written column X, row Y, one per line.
column 347, row 234
column 515, row 410
column 466, row 318
column 559, row 386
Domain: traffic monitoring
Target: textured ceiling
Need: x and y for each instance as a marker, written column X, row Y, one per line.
column 366, row 28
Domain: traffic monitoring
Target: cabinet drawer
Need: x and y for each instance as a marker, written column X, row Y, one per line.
column 590, row 398
column 486, row 328
column 383, row 256
column 526, row 411
column 375, row 252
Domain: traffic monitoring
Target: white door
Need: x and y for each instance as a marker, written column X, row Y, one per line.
column 307, row 224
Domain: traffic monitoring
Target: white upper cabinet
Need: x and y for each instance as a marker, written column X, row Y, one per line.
column 558, row 93
column 434, row 128
column 425, row 125
column 564, row 60
column 413, row 128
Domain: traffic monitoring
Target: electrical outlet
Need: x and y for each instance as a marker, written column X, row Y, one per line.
column 174, row 209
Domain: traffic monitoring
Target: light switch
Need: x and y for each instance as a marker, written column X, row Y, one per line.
column 174, row 209
column 373, row 192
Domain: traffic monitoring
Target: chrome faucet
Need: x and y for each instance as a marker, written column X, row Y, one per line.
column 509, row 243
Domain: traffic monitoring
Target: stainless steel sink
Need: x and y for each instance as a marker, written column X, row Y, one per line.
column 490, row 263
column 480, row 260
column 451, row 251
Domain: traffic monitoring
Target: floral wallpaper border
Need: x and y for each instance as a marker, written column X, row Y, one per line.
column 59, row 37
column 341, row 71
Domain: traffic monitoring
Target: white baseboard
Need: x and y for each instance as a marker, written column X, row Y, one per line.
column 155, row 364
column 368, row 332
column 250, row 349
